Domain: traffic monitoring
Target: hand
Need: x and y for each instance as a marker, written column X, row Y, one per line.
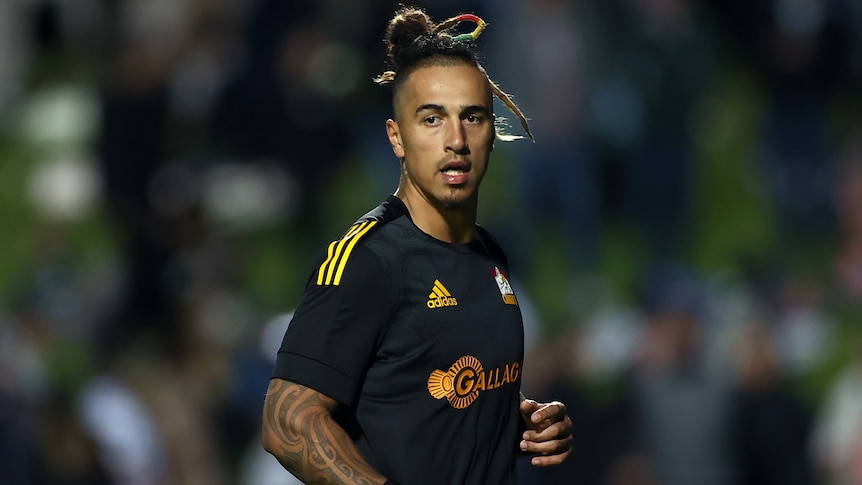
column 549, row 432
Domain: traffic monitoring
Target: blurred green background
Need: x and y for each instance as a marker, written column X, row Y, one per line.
column 170, row 169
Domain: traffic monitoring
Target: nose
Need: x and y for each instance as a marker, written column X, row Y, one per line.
column 456, row 139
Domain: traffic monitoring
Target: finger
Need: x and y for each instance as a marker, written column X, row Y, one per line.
column 548, row 452
column 549, row 460
column 553, row 411
column 552, row 431
column 541, row 426
column 528, row 407
column 542, row 419
column 545, row 444
column 528, row 410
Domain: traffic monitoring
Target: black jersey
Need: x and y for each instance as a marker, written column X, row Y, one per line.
column 422, row 341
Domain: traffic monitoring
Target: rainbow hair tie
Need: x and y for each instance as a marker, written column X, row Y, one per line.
column 480, row 26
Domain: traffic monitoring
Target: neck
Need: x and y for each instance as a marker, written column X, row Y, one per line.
column 451, row 225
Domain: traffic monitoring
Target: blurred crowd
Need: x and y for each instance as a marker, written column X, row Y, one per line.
column 685, row 233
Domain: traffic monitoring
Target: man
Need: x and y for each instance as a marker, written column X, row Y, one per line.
column 402, row 363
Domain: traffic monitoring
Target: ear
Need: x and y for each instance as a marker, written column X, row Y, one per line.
column 394, row 134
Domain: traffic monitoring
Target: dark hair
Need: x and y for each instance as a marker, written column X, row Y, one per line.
column 413, row 40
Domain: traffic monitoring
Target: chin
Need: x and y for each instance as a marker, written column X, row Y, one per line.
column 458, row 199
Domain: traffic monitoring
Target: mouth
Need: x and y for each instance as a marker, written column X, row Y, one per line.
column 452, row 172
column 455, row 167
column 455, row 172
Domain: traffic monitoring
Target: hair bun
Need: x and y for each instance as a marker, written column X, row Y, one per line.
column 406, row 26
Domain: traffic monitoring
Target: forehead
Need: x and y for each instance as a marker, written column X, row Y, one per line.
column 449, row 86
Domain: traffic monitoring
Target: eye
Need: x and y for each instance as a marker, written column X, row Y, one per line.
column 473, row 118
column 432, row 120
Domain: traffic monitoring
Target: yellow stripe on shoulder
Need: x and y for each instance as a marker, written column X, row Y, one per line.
column 332, row 269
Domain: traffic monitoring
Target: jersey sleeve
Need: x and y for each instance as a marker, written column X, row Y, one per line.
column 336, row 328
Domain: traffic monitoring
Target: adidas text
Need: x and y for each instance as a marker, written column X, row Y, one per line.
column 441, row 302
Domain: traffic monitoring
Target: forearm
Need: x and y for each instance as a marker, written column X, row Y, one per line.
column 299, row 431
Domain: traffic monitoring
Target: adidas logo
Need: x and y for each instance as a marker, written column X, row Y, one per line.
column 440, row 296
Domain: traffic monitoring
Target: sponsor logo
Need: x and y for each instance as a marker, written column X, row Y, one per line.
column 440, row 297
column 463, row 382
column 505, row 288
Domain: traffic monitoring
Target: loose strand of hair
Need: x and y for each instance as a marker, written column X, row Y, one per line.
column 385, row 77
column 507, row 100
column 446, row 24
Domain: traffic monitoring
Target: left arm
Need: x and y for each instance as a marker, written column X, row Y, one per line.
column 549, row 432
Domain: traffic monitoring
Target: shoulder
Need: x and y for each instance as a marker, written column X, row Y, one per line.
column 390, row 209
column 350, row 247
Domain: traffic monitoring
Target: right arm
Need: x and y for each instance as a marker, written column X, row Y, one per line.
column 298, row 429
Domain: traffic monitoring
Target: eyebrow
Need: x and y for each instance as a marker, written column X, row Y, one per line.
column 430, row 107
column 467, row 109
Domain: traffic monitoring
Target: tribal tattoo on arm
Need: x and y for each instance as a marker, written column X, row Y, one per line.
column 300, row 432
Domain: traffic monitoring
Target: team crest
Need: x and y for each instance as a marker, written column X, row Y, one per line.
column 505, row 288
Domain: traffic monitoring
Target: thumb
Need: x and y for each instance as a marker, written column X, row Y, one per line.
column 527, row 408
